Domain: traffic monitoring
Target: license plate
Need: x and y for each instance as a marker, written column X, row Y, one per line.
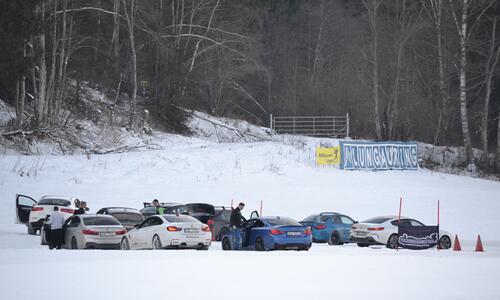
column 360, row 233
column 293, row 233
column 106, row 234
column 191, row 230
column 192, row 236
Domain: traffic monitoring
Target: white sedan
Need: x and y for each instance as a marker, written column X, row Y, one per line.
column 384, row 231
column 168, row 231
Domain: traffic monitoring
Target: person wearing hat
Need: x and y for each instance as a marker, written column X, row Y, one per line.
column 235, row 222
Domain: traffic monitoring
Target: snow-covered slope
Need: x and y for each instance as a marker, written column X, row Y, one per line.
column 281, row 173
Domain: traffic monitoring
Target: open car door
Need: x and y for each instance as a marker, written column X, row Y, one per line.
column 254, row 214
column 23, row 208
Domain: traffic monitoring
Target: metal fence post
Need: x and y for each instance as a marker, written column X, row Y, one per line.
column 347, row 124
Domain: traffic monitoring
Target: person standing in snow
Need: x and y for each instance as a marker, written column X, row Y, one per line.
column 235, row 222
column 159, row 210
column 56, row 229
column 82, row 208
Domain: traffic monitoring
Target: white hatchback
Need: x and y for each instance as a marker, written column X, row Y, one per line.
column 168, row 231
column 384, row 231
column 33, row 213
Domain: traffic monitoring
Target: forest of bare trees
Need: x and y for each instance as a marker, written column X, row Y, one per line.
column 423, row 70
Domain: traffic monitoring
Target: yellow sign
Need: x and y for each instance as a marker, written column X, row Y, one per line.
column 327, row 156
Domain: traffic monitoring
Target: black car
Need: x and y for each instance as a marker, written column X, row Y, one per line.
column 219, row 223
column 170, row 208
column 128, row 217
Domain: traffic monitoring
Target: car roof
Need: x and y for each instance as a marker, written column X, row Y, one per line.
column 327, row 213
column 390, row 217
column 121, row 209
column 57, row 197
column 94, row 215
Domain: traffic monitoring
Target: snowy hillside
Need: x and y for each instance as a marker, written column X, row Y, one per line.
column 281, row 173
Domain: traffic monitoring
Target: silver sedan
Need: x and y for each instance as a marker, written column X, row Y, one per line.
column 93, row 232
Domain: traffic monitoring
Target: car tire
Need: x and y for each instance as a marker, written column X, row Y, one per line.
column 202, row 248
column 444, row 242
column 124, row 244
column 31, row 230
column 259, row 244
column 392, row 242
column 334, row 239
column 156, row 243
column 74, row 245
column 363, row 245
column 226, row 244
column 222, row 232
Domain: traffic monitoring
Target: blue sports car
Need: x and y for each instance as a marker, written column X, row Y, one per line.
column 268, row 233
column 330, row 227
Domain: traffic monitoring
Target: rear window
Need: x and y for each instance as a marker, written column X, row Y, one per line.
column 283, row 222
column 313, row 218
column 128, row 217
column 196, row 209
column 54, row 201
column 377, row 220
column 180, row 219
column 223, row 215
column 91, row 221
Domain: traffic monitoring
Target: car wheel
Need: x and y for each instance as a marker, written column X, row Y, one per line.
column 445, row 242
column 31, row 230
column 157, row 243
column 124, row 244
column 362, row 245
column 73, row 243
column 392, row 242
column 334, row 239
column 222, row 232
column 259, row 244
column 202, row 248
column 226, row 244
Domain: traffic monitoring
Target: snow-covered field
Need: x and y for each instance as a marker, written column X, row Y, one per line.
column 280, row 173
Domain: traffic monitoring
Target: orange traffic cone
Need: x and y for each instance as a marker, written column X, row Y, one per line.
column 479, row 244
column 456, row 244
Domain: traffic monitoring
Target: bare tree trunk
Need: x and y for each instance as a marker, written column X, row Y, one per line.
column 498, row 143
column 463, row 83
column 130, row 17
column 491, row 64
column 317, row 49
column 115, row 39
column 41, row 103
column 372, row 12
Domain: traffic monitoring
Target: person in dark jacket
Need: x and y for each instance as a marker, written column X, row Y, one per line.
column 236, row 218
column 235, row 222
column 82, row 209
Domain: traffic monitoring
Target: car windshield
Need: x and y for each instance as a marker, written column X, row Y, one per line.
column 180, row 219
column 54, row 201
column 100, row 220
column 378, row 220
column 128, row 217
column 313, row 218
column 283, row 222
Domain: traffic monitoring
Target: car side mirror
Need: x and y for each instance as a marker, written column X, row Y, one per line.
column 87, row 209
column 356, row 222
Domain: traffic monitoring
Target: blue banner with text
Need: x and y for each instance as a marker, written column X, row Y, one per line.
column 356, row 155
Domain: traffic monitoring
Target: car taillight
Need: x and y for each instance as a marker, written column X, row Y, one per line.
column 308, row 231
column 210, row 222
column 121, row 232
column 275, row 231
column 206, row 229
column 67, row 210
column 90, row 232
column 376, row 228
column 173, row 228
column 36, row 208
column 320, row 226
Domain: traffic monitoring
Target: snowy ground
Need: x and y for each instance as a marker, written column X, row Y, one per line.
column 283, row 176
